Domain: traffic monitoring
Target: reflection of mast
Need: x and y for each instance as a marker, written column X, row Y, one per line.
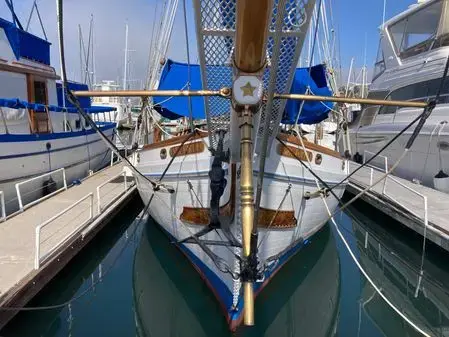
column 125, row 75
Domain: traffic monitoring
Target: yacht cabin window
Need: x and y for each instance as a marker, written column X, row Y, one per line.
column 421, row 91
column 379, row 66
column 416, row 33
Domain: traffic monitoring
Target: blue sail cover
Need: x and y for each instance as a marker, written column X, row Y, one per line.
column 26, row 45
column 73, row 86
column 174, row 77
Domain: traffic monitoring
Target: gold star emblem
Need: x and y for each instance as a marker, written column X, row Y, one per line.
column 248, row 90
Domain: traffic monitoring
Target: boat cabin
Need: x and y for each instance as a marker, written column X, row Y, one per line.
column 412, row 54
column 31, row 97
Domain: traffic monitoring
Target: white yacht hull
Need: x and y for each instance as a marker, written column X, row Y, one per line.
column 277, row 241
column 25, row 156
column 422, row 161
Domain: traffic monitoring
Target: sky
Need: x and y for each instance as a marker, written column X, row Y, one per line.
column 355, row 22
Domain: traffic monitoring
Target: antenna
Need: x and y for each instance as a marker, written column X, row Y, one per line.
column 383, row 15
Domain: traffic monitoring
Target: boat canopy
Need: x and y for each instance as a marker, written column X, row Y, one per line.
column 26, row 45
column 175, row 77
column 15, row 103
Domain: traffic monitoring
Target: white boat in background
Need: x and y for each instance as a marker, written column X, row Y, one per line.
column 119, row 116
column 40, row 132
column 413, row 51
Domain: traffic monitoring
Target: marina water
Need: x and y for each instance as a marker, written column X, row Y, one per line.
column 132, row 280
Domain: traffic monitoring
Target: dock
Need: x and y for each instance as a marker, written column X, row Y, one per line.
column 413, row 205
column 37, row 242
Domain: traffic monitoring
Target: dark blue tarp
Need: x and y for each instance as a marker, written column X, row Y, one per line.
column 16, row 103
column 174, row 77
column 26, row 45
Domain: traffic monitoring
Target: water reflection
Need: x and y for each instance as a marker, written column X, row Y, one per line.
column 392, row 256
column 170, row 299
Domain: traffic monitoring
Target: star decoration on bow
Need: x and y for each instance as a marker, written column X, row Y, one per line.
column 248, row 90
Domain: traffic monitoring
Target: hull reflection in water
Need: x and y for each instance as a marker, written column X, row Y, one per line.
column 170, row 299
column 392, row 257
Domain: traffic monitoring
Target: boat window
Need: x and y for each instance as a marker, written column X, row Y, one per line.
column 40, row 92
column 415, row 33
column 421, row 91
column 379, row 66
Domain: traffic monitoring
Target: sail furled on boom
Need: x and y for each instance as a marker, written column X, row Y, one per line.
column 175, row 75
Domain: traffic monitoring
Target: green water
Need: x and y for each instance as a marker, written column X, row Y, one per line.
column 131, row 281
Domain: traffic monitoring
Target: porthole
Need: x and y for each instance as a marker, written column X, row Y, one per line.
column 163, row 153
column 318, row 159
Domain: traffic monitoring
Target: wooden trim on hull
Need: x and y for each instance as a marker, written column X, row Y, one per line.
column 186, row 149
column 268, row 218
column 294, row 152
column 310, row 146
column 175, row 140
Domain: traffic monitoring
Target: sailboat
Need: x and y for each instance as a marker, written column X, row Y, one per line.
column 235, row 237
column 244, row 194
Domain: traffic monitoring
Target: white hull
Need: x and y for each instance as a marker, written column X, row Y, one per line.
column 23, row 160
column 310, row 215
column 422, row 162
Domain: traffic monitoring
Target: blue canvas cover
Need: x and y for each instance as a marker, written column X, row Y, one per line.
column 26, row 45
column 16, row 103
column 174, row 77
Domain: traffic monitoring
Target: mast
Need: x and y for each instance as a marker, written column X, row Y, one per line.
column 125, row 75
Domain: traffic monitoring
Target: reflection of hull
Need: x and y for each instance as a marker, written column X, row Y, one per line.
column 394, row 266
column 170, row 298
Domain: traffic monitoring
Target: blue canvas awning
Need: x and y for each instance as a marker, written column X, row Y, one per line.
column 174, row 77
column 26, row 45
column 16, row 103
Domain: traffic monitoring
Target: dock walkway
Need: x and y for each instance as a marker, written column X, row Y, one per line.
column 411, row 204
column 38, row 242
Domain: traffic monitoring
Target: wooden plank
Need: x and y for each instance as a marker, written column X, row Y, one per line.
column 308, row 145
column 294, row 152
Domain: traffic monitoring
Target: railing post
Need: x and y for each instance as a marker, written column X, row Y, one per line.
column 371, row 176
column 19, row 198
column 91, row 210
column 98, row 200
column 386, row 164
column 124, row 178
column 385, row 185
column 64, row 178
column 2, row 203
column 37, row 248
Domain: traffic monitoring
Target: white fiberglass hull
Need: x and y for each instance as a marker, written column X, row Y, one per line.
column 26, row 156
column 428, row 155
column 285, row 184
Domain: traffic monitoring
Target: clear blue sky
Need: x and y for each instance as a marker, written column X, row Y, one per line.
column 355, row 18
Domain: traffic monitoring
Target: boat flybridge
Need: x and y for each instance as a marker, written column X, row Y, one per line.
column 412, row 55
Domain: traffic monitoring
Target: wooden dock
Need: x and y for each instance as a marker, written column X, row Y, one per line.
column 38, row 242
column 411, row 204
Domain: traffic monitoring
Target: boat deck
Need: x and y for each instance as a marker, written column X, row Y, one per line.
column 38, row 242
column 411, row 204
